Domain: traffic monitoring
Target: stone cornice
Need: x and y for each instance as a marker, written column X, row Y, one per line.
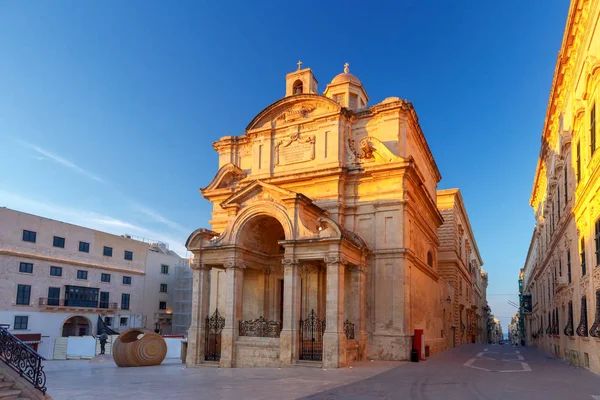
column 67, row 261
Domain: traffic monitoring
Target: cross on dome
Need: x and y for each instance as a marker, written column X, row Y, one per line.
column 346, row 68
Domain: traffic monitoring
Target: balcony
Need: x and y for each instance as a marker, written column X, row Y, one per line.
column 53, row 303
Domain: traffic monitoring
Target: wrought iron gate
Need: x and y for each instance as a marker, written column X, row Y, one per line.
column 311, row 337
column 212, row 341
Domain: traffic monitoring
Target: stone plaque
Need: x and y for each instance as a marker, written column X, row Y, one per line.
column 295, row 150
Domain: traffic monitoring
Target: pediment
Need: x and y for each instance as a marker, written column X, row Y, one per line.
column 293, row 109
column 227, row 177
column 257, row 190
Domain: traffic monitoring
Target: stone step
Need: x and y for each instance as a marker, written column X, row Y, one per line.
column 309, row 364
column 209, row 364
column 9, row 394
column 6, row 385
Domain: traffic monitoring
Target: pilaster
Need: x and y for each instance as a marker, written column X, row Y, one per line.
column 289, row 340
column 233, row 313
column 334, row 339
column 197, row 332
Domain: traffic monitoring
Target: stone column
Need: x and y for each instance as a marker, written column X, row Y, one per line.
column 200, row 300
column 361, row 323
column 233, row 313
column 334, row 339
column 267, row 297
column 289, row 341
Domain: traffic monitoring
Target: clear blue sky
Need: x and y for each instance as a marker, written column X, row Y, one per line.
column 108, row 109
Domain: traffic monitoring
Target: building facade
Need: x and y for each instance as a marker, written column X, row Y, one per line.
column 56, row 279
column 460, row 264
column 562, row 269
column 324, row 235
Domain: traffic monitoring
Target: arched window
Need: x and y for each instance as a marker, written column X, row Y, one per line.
column 297, row 88
column 430, row 259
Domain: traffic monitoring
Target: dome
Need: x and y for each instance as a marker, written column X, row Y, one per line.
column 346, row 77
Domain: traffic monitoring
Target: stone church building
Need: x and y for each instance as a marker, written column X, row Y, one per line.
column 324, row 239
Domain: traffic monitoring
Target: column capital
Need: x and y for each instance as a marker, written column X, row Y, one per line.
column 361, row 269
column 337, row 259
column 289, row 262
column 233, row 265
column 198, row 266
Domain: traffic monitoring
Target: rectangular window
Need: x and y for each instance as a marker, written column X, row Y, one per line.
column 583, row 271
column 558, row 200
column 163, row 288
column 105, row 277
column 578, row 161
column 124, row 301
column 126, row 280
column 21, row 322
column 58, row 242
column 128, row 255
column 107, row 251
column 84, row 247
column 164, row 269
column 81, row 296
column 566, row 185
column 81, row 274
column 597, row 240
column 29, row 236
column 104, row 296
column 23, row 294
column 593, row 128
column 569, row 264
column 108, row 321
column 124, row 321
column 56, row 271
column 26, row 268
column 53, row 296
column 162, row 305
column 559, row 267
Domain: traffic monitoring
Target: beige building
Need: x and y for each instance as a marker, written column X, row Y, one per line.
column 57, row 278
column 324, row 239
column 562, row 269
column 460, row 264
column 496, row 331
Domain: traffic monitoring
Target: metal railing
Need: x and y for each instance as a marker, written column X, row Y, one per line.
column 23, row 359
column 53, row 302
column 260, row 327
column 349, row 329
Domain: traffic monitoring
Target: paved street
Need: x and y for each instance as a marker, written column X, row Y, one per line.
column 467, row 372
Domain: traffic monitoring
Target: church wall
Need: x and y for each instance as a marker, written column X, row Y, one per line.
column 426, row 312
column 253, row 294
column 373, row 194
column 217, row 291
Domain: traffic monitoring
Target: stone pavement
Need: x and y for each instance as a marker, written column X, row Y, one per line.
column 467, row 372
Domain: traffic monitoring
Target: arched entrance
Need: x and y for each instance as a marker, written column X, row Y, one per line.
column 279, row 261
column 76, row 326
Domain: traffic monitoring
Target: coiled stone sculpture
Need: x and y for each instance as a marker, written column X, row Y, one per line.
column 139, row 347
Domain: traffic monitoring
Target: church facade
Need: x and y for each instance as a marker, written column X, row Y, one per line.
column 323, row 244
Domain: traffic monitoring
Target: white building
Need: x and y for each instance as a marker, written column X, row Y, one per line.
column 56, row 279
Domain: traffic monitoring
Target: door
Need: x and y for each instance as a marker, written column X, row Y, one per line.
column 53, row 296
